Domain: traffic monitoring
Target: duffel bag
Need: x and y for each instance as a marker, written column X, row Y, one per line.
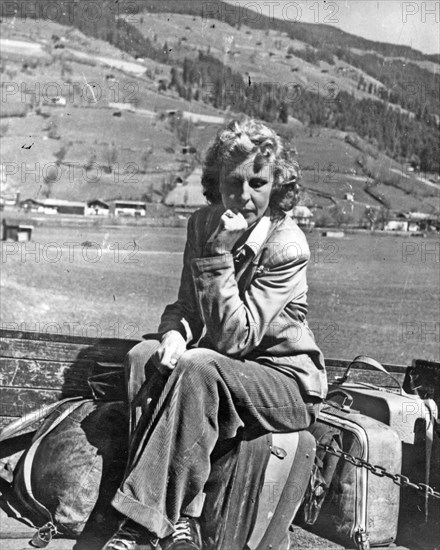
column 72, row 469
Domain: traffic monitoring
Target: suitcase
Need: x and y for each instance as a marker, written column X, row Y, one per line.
column 412, row 417
column 361, row 510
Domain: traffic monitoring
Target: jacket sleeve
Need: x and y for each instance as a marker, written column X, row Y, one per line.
column 237, row 325
column 183, row 315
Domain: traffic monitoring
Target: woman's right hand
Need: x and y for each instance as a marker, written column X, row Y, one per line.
column 171, row 348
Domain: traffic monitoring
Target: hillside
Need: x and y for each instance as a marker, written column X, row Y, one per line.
column 118, row 114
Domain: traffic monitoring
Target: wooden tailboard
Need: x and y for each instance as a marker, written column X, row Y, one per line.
column 37, row 369
column 40, row 368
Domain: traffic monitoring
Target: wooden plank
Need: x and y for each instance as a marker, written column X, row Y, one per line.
column 19, row 401
column 62, row 338
column 109, row 350
column 34, row 373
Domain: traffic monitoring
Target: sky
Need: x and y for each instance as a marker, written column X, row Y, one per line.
column 413, row 23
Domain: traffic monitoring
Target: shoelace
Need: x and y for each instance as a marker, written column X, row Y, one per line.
column 182, row 530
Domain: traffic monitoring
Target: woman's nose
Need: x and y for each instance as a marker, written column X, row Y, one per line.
column 245, row 192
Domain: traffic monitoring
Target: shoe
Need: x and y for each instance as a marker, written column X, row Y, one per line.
column 186, row 536
column 132, row 536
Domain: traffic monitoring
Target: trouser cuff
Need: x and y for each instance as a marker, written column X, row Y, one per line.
column 145, row 515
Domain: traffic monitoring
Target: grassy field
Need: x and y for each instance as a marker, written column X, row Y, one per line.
column 372, row 294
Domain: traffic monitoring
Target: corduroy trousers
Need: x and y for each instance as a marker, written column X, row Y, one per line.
column 207, row 399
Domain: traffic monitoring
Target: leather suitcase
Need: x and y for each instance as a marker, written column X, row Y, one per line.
column 255, row 490
column 361, row 510
column 408, row 414
column 285, row 482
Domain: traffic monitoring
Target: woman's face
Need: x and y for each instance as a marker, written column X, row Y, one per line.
column 245, row 187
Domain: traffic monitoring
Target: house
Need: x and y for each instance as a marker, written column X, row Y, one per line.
column 396, row 224
column 97, row 207
column 54, row 206
column 64, row 207
column 128, row 208
column 16, row 230
column 10, row 200
column 421, row 221
column 412, row 222
column 30, row 205
column 58, row 101
column 303, row 216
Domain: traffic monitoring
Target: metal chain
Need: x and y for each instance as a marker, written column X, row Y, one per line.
column 380, row 471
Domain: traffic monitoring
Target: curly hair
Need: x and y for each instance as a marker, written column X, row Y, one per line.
column 240, row 139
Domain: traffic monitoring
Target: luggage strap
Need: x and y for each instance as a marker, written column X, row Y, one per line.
column 13, row 428
column 365, row 360
column 380, row 471
column 45, row 533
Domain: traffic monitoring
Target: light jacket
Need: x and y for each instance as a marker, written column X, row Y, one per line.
column 256, row 311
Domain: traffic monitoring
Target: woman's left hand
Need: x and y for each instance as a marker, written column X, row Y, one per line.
column 171, row 348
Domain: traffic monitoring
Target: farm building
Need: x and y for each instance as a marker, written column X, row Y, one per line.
column 413, row 221
column 396, row 224
column 303, row 216
column 10, row 200
column 57, row 101
column 54, row 206
column 128, row 208
column 97, row 207
column 16, row 230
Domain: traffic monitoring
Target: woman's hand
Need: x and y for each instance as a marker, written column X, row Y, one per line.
column 230, row 229
column 172, row 347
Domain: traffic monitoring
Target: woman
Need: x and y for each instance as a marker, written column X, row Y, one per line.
column 239, row 356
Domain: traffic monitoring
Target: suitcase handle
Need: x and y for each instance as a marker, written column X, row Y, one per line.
column 365, row 360
column 346, row 402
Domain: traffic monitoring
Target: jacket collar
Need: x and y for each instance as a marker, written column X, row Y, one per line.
column 258, row 235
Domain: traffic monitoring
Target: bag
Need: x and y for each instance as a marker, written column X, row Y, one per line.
column 72, row 468
column 361, row 509
column 254, row 492
column 412, row 417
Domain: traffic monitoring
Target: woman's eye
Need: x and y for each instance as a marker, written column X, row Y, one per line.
column 255, row 183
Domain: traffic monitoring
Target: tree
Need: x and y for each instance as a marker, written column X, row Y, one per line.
column 60, row 154
column 340, row 215
column 111, row 157
column 91, row 160
column 50, row 178
column 53, row 132
column 145, row 159
column 284, row 113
